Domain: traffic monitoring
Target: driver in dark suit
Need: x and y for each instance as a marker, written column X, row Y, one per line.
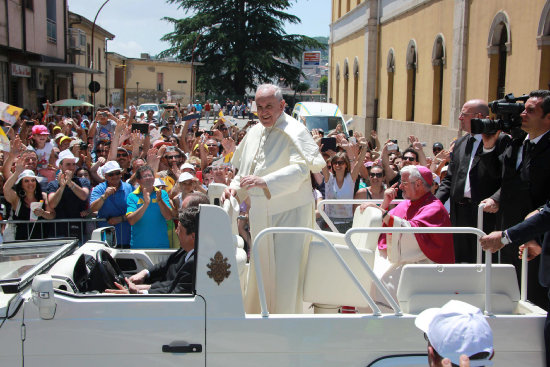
column 177, row 272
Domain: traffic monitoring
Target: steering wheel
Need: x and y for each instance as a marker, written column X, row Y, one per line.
column 109, row 271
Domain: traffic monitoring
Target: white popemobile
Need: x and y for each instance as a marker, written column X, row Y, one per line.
column 52, row 314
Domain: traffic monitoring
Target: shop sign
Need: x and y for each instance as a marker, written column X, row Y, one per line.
column 21, row 70
column 311, row 59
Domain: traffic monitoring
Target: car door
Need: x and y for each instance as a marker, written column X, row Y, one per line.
column 117, row 330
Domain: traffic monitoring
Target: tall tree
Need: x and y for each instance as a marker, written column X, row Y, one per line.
column 249, row 48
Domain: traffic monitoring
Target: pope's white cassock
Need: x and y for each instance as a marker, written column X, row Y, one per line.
column 283, row 155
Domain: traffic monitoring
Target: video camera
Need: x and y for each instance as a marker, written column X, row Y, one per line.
column 508, row 113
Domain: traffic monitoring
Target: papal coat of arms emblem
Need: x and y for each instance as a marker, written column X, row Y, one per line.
column 219, row 268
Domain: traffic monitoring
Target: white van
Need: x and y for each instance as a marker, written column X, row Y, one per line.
column 319, row 115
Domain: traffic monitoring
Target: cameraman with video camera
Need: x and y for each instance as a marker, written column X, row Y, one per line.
column 525, row 178
column 472, row 175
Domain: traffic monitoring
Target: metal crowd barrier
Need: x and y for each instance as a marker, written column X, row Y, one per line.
column 53, row 226
column 87, row 226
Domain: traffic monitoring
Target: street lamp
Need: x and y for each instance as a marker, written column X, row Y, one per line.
column 92, row 51
column 137, row 93
column 215, row 26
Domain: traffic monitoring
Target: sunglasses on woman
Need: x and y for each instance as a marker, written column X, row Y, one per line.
column 376, row 174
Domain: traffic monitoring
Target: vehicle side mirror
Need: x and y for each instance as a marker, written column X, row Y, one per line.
column 105, row 234
column 43, row 296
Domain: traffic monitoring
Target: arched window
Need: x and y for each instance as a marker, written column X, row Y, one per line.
column 337, row 92
column 543, row 41
column 346, row 80
column 390, row 65
column 411, row 78
column 355, row 84
column 438, row 62
column 499, row 46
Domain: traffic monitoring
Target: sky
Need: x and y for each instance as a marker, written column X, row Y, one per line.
column 138, row 25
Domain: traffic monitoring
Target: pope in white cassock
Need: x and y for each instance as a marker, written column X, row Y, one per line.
column 274, row 161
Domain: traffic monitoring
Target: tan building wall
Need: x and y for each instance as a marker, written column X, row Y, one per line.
column 36, row 28
column 176, row 78
column 422, row 28
column 523, row 64
column 349, row 55
column 27, row 38
column 469, row 30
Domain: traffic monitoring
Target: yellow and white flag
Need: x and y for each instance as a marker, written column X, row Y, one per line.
column 4, row 141
column 9, row 113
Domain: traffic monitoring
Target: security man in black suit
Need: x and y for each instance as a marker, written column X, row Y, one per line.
column 537, row 226
column 473, row 174
column 176, row 274
column 525, row 178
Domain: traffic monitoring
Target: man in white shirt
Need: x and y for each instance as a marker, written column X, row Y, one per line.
column 216, row 108
column 274, row 161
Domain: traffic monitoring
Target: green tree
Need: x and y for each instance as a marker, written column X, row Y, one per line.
column 323, row 84
column 249, row 48
column 301, row 87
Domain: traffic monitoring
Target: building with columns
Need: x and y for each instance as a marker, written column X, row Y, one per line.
column 407, row 66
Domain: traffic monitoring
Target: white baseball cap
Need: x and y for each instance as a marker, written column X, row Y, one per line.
column 65, row 154
column 159, row 182
column 187, row 166
column 25, row 173
column 185, row 176
column 109, row 167
column 457, row 328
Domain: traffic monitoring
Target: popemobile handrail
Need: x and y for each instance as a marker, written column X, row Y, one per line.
column 480, row 227
column 325, row 241
column 370, row 272
column 321, row 207
column 524, row 263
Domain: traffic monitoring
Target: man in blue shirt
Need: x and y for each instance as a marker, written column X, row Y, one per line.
column 109, row 199
column 147, row 214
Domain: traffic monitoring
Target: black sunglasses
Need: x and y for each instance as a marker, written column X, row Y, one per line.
column 376, row 174
column 410, row 159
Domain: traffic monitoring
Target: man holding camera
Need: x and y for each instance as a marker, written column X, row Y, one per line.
column 525, row 176
column 103, row 128
column 472, row 175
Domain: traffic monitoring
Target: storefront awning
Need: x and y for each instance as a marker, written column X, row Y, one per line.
column 64, row 68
